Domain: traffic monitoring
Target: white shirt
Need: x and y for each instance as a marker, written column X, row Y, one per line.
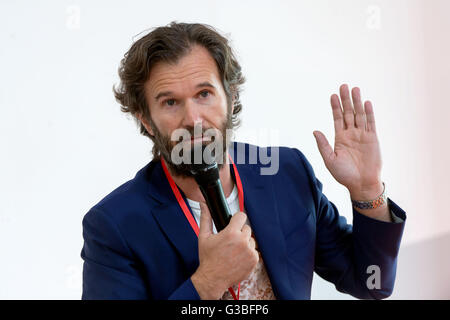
column 232, row 200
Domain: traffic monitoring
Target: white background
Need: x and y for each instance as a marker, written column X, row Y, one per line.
column 65, row 144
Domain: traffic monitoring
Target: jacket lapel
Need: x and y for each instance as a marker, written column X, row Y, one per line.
column 171, row 219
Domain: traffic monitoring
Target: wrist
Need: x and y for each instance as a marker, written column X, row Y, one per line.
column 372, row 202
column 381, row 213
column 206, row 289
column 368, row 193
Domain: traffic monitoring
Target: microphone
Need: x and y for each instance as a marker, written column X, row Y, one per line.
column 207, row 178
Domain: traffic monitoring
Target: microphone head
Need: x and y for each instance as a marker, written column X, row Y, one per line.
column 205, row 174
column 206, row 171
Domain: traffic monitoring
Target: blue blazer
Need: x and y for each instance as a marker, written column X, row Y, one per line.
column 139, row 245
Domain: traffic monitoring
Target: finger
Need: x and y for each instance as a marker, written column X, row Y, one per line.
column 256, row 256
column 206, row 227
column 338, row 116
column 325, row 149
column 252, row 243
column 237, row 221
column 349, row 114
column 247, row 231
column 359, row 111
column 370, row 116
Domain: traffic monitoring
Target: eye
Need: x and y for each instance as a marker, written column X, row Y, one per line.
column 205, row 93
column 169, row 102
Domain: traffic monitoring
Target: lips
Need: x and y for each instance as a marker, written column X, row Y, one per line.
column 198, row 138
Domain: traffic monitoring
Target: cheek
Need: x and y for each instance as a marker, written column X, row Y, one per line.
column 214, row 118
column 165, row 125
column 165, row 119
column 218, row 112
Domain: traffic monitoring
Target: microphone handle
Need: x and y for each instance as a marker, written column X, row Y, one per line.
column 217, row 204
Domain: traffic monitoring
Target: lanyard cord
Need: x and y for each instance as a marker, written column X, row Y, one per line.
column 189, row 216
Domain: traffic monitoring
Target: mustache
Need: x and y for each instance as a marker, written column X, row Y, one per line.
column 181, row 134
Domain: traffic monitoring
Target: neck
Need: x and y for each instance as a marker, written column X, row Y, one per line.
column 191, row 189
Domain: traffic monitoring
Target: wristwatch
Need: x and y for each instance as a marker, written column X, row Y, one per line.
column 379, row 201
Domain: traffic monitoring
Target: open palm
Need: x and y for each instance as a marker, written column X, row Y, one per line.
column 355, row 161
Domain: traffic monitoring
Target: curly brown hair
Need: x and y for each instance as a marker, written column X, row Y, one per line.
column 169, row 44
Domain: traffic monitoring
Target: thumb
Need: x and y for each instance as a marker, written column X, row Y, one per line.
column 206, row 228
column 324, row 147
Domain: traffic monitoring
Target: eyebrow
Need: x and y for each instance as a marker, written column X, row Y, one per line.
column 169, row 93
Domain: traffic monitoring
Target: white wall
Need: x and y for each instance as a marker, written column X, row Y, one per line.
column 65, row 144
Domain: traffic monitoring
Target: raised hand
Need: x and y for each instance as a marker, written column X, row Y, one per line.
column 355, row 161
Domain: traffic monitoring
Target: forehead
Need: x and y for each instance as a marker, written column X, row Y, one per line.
column 196, row 67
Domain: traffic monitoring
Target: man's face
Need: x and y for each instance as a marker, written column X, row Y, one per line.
column 186, row 95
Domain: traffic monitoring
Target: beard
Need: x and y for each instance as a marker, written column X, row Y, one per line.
column 165, row 145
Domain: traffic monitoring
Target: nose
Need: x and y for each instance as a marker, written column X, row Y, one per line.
column 192, row 116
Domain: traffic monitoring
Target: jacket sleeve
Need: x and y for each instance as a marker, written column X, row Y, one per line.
column 360, row 260
column 110, row 272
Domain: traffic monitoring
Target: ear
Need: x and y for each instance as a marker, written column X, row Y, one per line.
column 145, row 124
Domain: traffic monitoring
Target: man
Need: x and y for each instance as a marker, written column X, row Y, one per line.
column 153, row 238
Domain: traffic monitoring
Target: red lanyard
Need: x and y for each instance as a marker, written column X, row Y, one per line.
column 188, row 214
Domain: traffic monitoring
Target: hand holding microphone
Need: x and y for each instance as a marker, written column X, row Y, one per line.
column 226, row 258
